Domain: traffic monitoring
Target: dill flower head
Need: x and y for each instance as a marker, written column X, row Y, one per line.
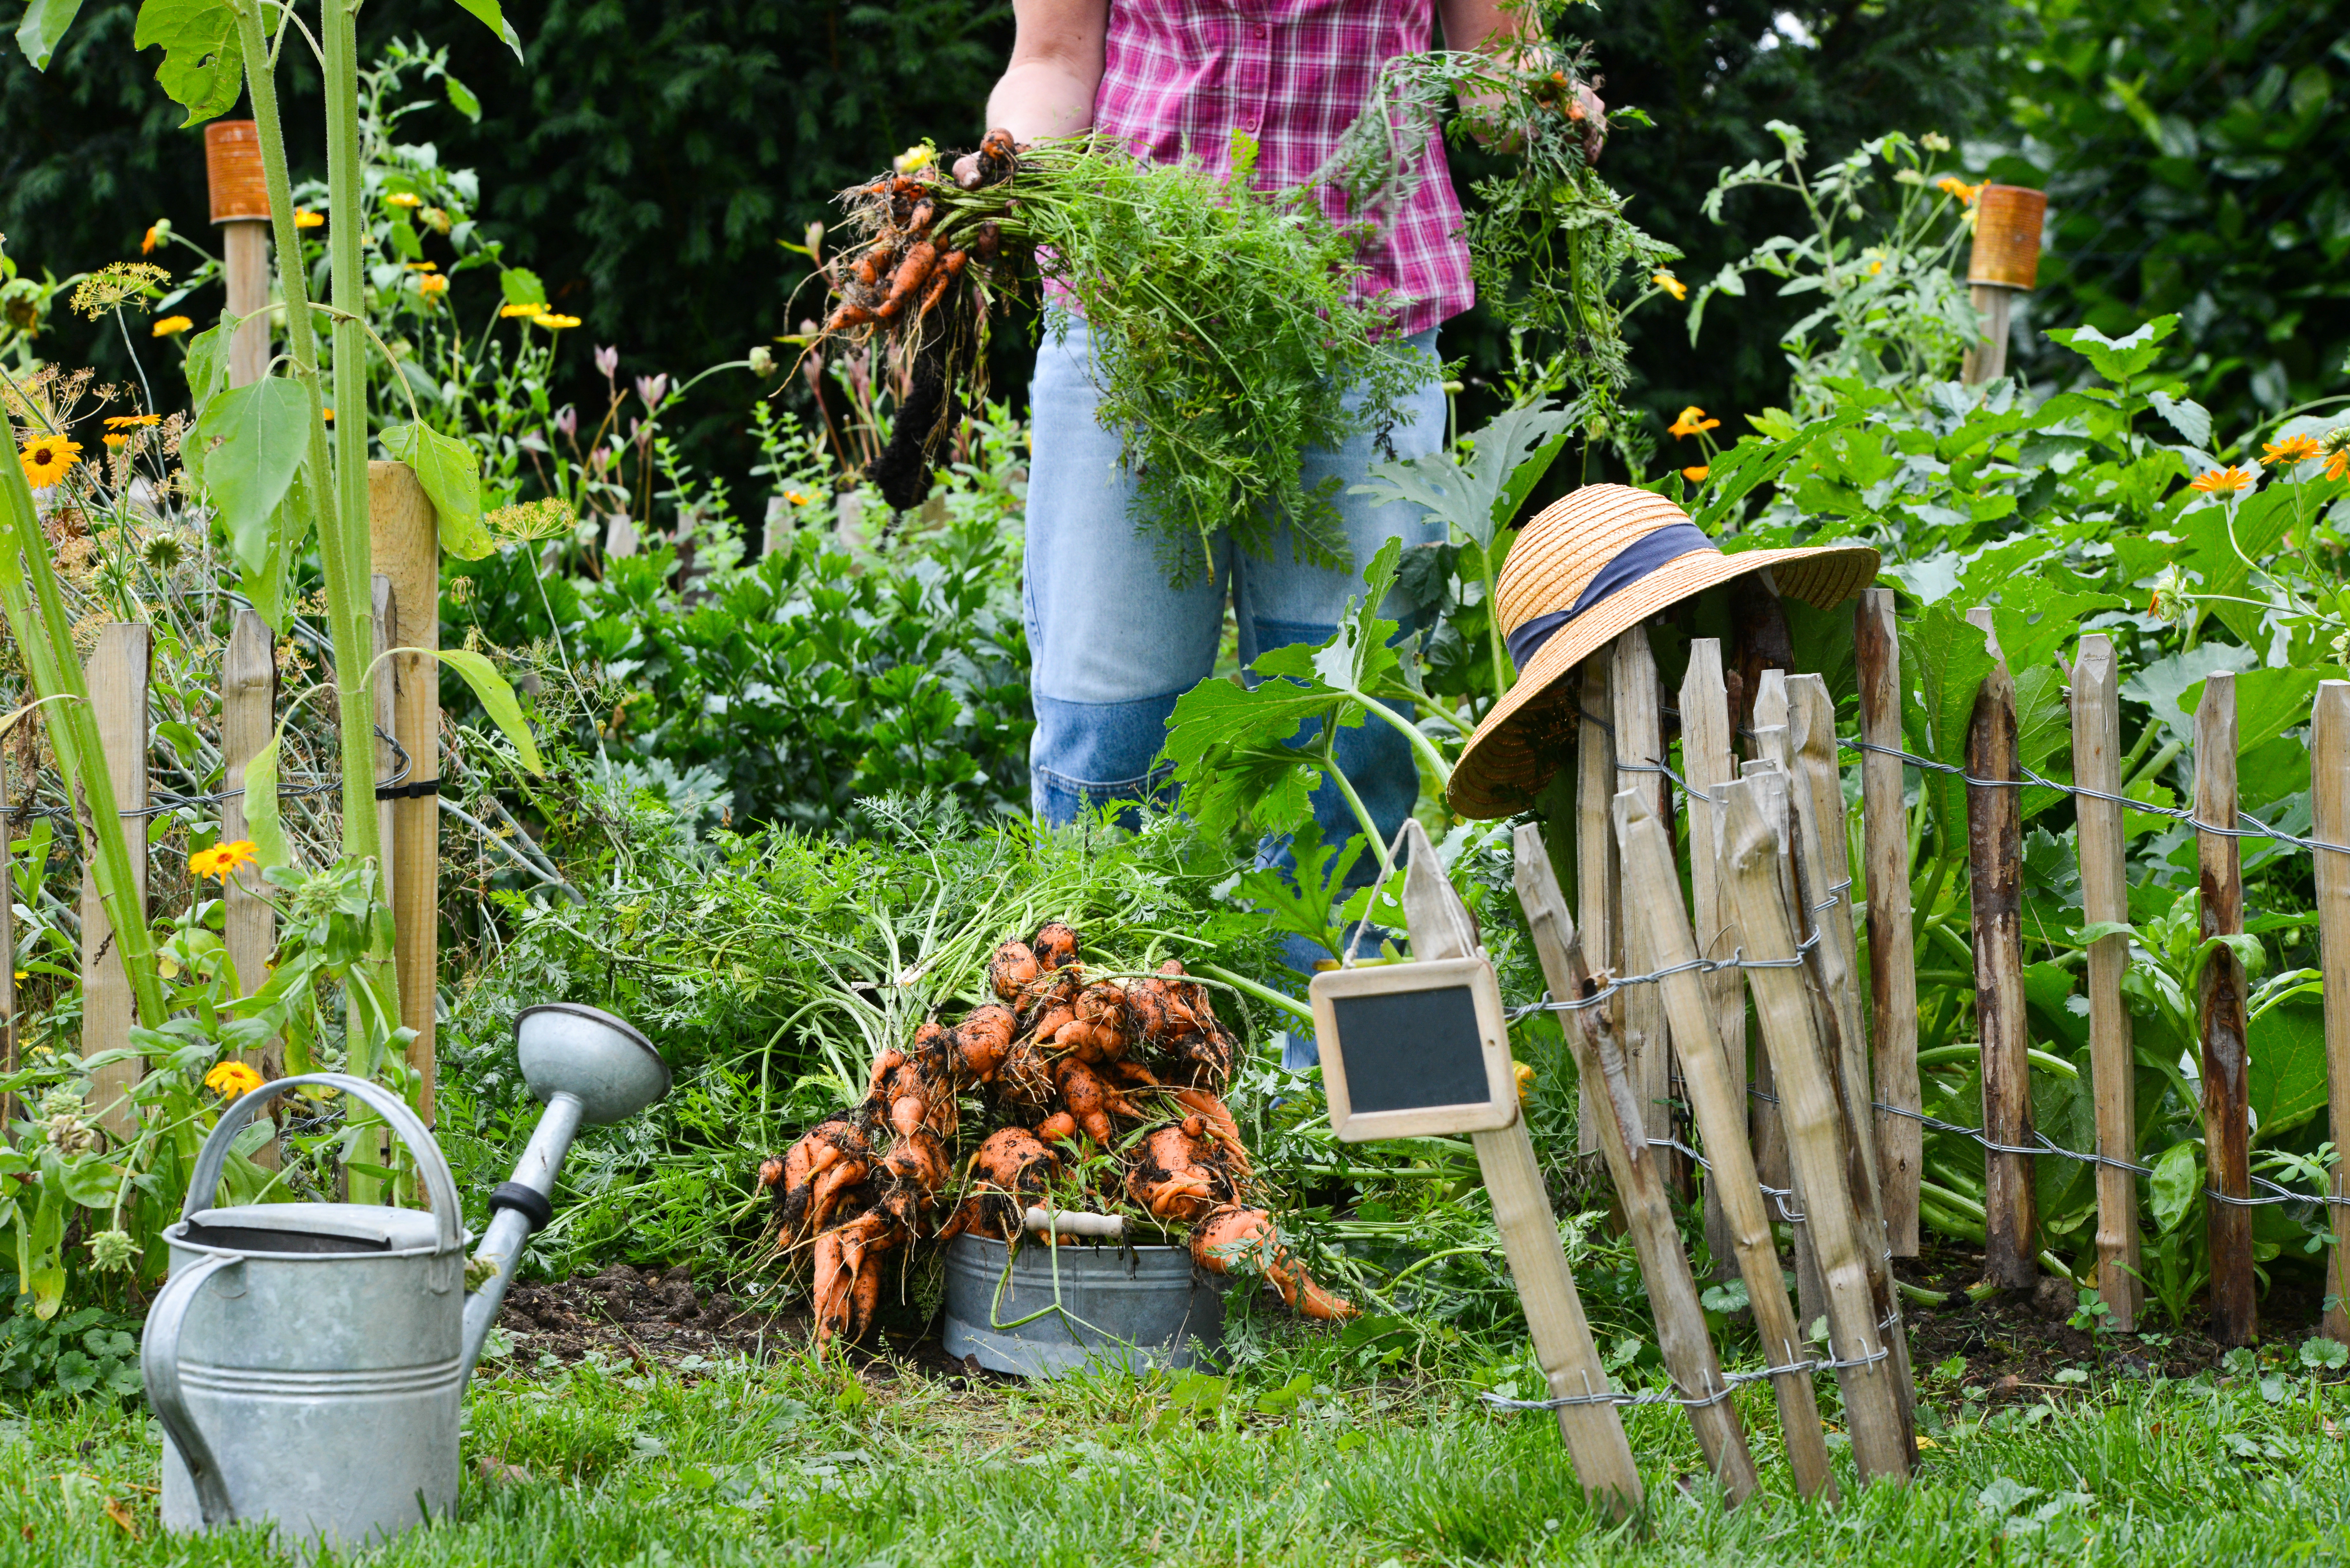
column 110, row 286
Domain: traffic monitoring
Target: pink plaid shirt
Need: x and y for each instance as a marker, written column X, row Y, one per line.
column 1180, row 75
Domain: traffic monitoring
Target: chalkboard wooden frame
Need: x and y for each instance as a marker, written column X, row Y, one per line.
column 1499, row 1106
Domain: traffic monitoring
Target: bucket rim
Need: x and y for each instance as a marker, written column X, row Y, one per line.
column 175, row 1234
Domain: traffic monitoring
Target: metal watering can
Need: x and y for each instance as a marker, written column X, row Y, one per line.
column 307, row 1360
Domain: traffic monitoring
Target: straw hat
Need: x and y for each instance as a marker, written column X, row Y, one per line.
column 1590, row 568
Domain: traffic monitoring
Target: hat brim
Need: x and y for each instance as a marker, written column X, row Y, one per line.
column 1532, row 729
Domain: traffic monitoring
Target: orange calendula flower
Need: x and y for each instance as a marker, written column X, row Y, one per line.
column 795, row 497
column 131, row 421
column 327, row 414
column 1692, row 421
column 231, row 1079
column 306, row 219
column 554, row 321
column 430, row 284
column 1696, row 473
column 46, row 460
column 511, row 312
column 223, row 858
column 1671, row 285
column 114, row 439
column 171, row 326
column 148, row 242
column 2223, row 481
column 1953, row 186
column 2292, row 449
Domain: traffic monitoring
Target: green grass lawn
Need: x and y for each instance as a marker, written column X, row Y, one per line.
column 797, row 1461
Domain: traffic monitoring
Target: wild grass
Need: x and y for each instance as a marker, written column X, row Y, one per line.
column 794, row 1461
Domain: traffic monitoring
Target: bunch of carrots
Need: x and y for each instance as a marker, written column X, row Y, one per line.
column 1064, row 1067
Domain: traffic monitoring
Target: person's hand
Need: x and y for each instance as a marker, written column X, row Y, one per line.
column 992, row 163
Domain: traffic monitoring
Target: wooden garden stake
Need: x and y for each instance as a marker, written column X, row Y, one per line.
column 2329, row 757
column 2105, row 898
column 1640, row 741
column 119, row 672
column 1598, row 891
column 1706, row 766
column 405, row 535
column 1718, row 1102
column 1771, row 1132
column 1995, row 871
column 1808, row 1105
column 1639, row 1173
column 1892, row 950
column 2220, row 1005
column 386, row 603
column 239, row 199
column 249, row 925
column 1439, row 928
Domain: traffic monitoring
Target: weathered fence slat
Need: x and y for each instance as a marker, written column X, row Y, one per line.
column 1706, row 764
column 404, row 534
column 2329, row 749
column 1718, row 1103
column 1770, row 1143
column 119, row 671
column 2221, row 1006
column 1995, row 872
column 1639, row 1173
column 1865, row 1371
column 1439, row 928
column 1892, row 950
column 2104, row 897
column 1598, row 881
column 1646, row 1041
column 249, row 925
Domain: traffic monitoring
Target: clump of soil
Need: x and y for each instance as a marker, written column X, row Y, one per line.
column 650, row 1316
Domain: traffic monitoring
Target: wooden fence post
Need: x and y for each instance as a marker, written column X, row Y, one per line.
column 1599, row 879
column 1718, row 1103
column 249, row 925
column 1439, row 928
column 2329, row 750
column 2104, row 897
column 385, row 601
column 1995, row 871
column 1771, row 1146
column 1639, row 1174
column 118, row 673
column 2220, row 1003
column 1808, row 1105
column 405, row 535
column 1640, row 741
column 1892, row 947
column 1707, row 766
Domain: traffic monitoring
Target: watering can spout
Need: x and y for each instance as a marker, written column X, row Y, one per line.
column 589, row 1068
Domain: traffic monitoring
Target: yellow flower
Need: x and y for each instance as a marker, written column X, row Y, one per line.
column 1525, row 1077
column 1692, row 421
column 795, row 497
column 148, row 242
column 131, row 421
column 1696, row 473
column 2338, row 465
column 1671, row 285
column 47, row 458
column 405, row 199
column 327, row 414
column 2292, row 449
column 172, row 325
column 231, row 1079
column 422, row 266
column 114, row 439
column 306, row 219
column 554, row 321
column 512, row 311
column 2223, row 481
column 223, row 858
column 431, row 284
column 915, row 157
column 1951, row 185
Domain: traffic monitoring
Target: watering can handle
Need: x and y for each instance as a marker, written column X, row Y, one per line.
column 159, row 1365
column 439, row 1184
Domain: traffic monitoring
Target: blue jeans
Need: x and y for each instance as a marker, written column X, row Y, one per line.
column 1113, row 646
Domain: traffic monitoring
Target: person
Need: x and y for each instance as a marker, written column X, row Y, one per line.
column 1113, row 645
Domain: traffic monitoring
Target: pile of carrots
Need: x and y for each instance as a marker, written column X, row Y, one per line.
column 1059, row 1061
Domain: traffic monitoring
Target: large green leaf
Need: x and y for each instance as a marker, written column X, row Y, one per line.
column 263, row 431
column 2118, row 358
column 451, row 473
column 2221, row 543
column 1506, row 459
column 206, row 367
column 2161, row 684
column 2268, row 702
column 497, row 700
column 204, row 64
column 495, row 19
column 2287, row 1068
column 261, row 822
column 1951, row 658
column 44, row 22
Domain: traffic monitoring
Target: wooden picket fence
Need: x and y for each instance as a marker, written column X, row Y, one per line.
column 405, row 540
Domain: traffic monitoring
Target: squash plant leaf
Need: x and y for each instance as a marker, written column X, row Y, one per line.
column 1506, row 459
column 497, row 700
column 263, row 431
column 2118, row 360
column 1952, row 658
column 44, row 23
column 204, row 63
column 2287, row 1071
column 451, row 473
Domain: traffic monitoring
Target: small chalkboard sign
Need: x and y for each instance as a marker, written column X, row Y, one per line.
column 1413, row 1049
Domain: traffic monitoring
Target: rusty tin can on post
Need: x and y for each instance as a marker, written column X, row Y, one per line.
column 2005, row 261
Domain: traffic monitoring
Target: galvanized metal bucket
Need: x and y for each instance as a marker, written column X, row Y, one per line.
column 1054, row 1310
column 307, row 1360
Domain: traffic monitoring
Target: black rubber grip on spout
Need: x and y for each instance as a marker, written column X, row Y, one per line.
column 527, row 1201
